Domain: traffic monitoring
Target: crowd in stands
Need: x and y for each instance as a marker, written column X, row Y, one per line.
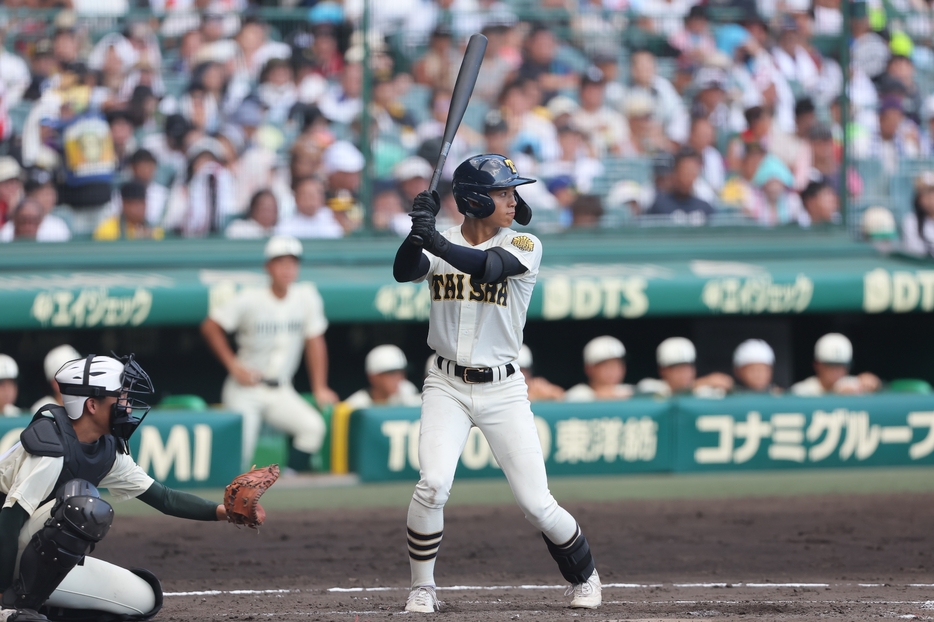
column 217, row 118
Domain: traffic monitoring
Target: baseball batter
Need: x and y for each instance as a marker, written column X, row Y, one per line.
column 52, row 514
column 480, row 276
column 274, row 325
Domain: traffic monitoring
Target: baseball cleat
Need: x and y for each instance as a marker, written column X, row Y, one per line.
column 422, row 599
column 587, row 595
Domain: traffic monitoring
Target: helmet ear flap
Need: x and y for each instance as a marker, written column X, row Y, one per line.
column 523, row 211
column 473, row 203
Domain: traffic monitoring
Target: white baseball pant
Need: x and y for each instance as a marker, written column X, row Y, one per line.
column 281, row 407
column 450, row 407
column 94, row 584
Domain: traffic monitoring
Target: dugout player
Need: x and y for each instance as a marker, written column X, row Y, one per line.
column 753, row 363
column 605, row 367
column 273, row 326
column 480, row 276
column 52, row 513
column 833, row 355
column 676, row 357
column 53, row 362
column 385, row 371
column 9, row 387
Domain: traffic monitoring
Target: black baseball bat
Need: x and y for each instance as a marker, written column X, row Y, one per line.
column 463, row 88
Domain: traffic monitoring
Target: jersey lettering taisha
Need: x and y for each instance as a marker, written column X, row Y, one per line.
column 489, row 316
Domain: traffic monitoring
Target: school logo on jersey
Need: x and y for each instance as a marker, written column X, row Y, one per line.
column 523, row 243
column 453, row 287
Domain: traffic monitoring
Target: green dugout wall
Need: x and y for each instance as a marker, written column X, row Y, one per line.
column 680, row 435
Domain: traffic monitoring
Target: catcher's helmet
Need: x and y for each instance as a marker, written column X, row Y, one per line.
column 477, row 176
column 101, row 376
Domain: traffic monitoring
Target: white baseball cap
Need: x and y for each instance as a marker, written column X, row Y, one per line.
column 602, row 349
column 833, row 349
column 525, row 357
column 753, row 351
column 412, row 167
column 675, row 351
column 385, row 358
column 56, row 358
column 342, row 157
column 9, row 370
column 282, row 246
column 10, row 168
column 878, row 223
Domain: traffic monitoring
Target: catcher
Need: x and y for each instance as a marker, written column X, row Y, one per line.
column 52, row 513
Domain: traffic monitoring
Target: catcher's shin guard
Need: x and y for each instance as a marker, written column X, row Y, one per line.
column 79, row 519
column 574, row 558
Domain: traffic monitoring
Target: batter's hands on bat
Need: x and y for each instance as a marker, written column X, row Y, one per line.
column 428, row 201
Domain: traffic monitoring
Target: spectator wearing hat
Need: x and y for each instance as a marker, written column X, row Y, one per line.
column 897, row 137
column 646, row 136
column 833, row 357
column 208, row 201
column 563, row 190
column 540, row 389
column 312, row 218
column 606, row 130
column 11, row 186
column 385, row 371
column 260, row 220
column 694, row 41
column 9, row 388
column 775, row 201
column 680, row 201
column 54, row 361
column 275, row 325
column 667, row 106
column 342, row 164
column 821, row 204
column 753, row 361
column 918, row 225
column 40, row 187
column 792, row 58
column 605, row 368
column 131, row 223
column 676, row 357
column 412, row 176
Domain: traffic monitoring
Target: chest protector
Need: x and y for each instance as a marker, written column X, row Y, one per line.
column 55, row 437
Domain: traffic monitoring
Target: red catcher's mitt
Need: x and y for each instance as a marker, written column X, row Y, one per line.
column 241, row 497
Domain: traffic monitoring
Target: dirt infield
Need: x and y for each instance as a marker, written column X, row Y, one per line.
column 806, row 558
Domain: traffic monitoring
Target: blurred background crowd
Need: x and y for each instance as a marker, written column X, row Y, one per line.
column 193, row 118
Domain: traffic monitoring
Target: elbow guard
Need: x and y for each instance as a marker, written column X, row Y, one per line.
column 500, row 265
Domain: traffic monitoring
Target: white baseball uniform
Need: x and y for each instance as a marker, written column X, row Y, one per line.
column 478, row 325
column 94, row 584
column 271, row 333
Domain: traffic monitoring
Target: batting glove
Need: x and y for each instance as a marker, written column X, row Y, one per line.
column 428, row 202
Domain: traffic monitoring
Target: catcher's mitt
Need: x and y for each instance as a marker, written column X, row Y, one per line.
column 241, row 497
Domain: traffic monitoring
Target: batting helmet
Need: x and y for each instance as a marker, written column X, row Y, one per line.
column 477, row 176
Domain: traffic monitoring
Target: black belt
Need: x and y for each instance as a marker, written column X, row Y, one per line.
column 473, row 375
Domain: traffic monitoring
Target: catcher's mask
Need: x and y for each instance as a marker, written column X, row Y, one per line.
column 103, row 376
column 477, row 176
